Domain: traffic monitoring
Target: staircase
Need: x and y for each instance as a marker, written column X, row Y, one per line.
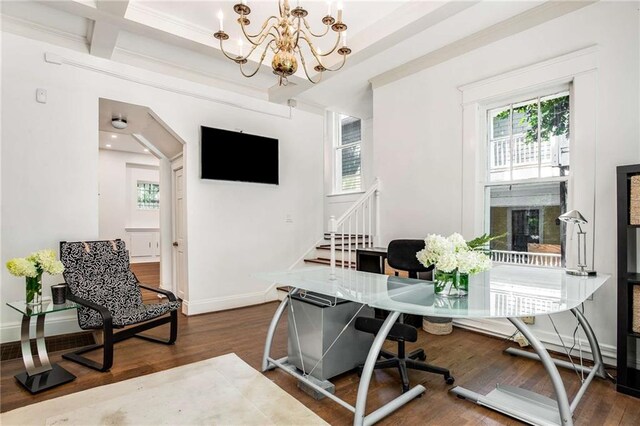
column 345, row 250
column 358, row 227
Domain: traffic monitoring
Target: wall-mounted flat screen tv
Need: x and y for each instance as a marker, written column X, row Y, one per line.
column 235, row 156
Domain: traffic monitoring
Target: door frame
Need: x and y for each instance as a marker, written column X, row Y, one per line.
column 177, row 163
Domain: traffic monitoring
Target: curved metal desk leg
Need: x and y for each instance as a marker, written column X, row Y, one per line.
column 25, row 343
column 593, row 343
column 363, row 388
column 272, row 329
column 549, row 365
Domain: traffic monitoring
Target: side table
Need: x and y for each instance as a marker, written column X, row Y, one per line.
column 46, row 375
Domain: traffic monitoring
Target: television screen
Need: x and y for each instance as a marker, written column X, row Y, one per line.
column 238, row 156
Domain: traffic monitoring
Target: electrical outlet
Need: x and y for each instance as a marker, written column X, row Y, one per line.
column 529, row 320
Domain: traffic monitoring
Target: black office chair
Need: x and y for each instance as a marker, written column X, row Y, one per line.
column 401, row 255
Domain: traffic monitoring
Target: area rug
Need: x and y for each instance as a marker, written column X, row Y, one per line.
column 219, row 391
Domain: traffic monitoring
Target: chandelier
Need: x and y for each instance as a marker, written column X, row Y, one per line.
column 285, row 35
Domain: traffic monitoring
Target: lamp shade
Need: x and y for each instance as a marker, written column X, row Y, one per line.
column 572, row 216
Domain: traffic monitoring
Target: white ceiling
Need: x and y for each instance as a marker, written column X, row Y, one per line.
column 120, row 142
column 175, row 38
column 144, row 130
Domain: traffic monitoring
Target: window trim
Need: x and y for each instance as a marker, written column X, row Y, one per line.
column 337, row 158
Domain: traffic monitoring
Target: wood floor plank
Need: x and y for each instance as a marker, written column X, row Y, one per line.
column 476, row 361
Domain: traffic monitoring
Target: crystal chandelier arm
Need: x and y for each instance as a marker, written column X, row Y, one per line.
column 306, row 24
column 264, row 53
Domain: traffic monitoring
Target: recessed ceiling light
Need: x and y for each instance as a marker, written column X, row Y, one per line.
column 146, row 150
column 108, row 145
column 114, row 136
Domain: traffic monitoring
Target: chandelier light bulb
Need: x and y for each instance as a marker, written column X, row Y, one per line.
column 244, row 2
column 340, row 8
column 221, row 19
column 344, row 38
column 329, row 8
column 241, row 46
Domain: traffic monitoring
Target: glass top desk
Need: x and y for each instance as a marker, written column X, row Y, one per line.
column 506, row 291
column 47, row 375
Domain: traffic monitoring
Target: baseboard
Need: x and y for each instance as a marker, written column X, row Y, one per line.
column 195, row 307
column 54, row 325
column 503, row 328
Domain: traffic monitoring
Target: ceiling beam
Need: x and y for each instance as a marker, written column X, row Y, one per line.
column 104, row 36
column 405, row 22
column 517, row 24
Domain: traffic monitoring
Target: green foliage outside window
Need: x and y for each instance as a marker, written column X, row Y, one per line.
column 555, row 118
column 148, row 196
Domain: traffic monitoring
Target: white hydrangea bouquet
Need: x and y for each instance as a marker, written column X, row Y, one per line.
column 454, row 260
column 32, row 267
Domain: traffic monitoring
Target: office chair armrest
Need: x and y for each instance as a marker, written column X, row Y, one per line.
column 170, row 295
column 104, row 312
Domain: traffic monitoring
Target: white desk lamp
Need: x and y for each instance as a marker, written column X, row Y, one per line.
column 575, row 217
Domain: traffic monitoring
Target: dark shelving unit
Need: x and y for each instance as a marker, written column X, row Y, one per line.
column 628, row 379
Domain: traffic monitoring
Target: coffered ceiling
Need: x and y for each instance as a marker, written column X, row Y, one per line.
column 175, row 38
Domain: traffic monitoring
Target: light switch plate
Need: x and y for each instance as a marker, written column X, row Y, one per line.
column 41, row 96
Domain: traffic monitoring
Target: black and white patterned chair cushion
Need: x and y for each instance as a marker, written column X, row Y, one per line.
column 98, row 271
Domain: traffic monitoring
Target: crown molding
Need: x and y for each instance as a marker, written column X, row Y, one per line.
column 249, row 104
column 517, row 24
column 172, row 20
column 33, row 30
column 153, row 63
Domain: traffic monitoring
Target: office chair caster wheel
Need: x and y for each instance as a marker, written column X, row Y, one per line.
column 449, row 380
column 359, row 371
column 422, row 357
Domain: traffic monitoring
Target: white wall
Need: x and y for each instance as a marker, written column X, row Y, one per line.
column 50, row 173
column 117, row 179
column 418, row 139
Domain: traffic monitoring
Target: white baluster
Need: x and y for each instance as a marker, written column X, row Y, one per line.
column 349, row 238
column 364, row 226
column 370, row 235
column 377, row 201
column 332, row 232
column 342, row 242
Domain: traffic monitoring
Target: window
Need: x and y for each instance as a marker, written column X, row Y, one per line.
column 527, row 172
column 348, row 161
column 148, row 196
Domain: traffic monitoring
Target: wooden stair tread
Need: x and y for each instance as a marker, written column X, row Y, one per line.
column 340, row 246
column 323, row 261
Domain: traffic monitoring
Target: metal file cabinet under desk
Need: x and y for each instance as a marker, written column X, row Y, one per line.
column 319, row 320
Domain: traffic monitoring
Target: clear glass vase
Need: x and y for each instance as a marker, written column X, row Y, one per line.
column 450, row 284
column 34, row 290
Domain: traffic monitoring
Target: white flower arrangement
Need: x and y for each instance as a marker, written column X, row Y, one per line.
column 35, row 264
column 453, row 252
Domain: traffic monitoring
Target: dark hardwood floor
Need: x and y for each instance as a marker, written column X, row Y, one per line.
column 477, row 362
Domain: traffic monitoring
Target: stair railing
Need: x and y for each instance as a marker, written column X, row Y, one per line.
column 358, row 227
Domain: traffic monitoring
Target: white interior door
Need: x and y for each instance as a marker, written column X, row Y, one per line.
column 179, row 265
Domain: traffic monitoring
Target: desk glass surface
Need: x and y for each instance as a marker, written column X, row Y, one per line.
column 504, row 291
column 46, row 307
